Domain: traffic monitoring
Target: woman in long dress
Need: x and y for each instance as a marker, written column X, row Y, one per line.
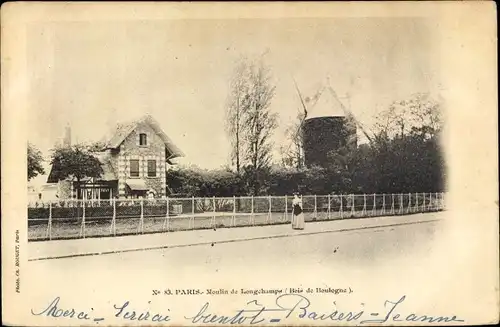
column 297, row 215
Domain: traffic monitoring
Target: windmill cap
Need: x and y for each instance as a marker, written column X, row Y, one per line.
column 324, row 105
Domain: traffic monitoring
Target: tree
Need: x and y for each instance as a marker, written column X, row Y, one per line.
column 93, row 147
column 236, row 109
column 75, row 162
column 419, row 113
column 260, row 122
column 35, row 160
column 292, row 154
column 405, row 155
column 250, row 122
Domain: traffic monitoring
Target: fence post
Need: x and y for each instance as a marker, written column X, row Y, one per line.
column 363, row 213
column 141, row 223
column 286, row 208
column 424, row 207
column 191, row 220
column 392, row 204
column 352, row 205
column 167, row 216
column 82, row 231
column 416, row 200
column 401, row 203
column 213, row 216
column 315, row 207
column 430, row 202
column 234, row 210
column 341, row 206
column 374, row 209
column 329, row 205
column 383, row 203
column 270, row 214
column 113, row 222
column 409, row 203
column 252, row 218
column 49, row 227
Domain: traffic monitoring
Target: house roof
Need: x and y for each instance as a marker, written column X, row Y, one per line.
column 107, row 167
column 48, row 187
column 124, row 130
column 137, row 185
column 51, row 178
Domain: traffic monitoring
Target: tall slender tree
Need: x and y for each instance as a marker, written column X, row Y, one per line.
column 260, row 123
column 250, row 122
column 235, row 112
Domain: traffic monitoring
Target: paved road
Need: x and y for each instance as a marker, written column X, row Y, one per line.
column 353, row 250
column 386, row 262
column 107, row 245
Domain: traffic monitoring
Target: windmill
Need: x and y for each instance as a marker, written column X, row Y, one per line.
column 329, row 127
column 346, row 111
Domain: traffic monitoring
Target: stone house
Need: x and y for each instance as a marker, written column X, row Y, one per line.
column 135, row 160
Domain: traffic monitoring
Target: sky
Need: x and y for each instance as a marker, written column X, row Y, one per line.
column 92, row 75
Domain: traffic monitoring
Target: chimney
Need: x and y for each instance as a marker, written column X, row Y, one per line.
column 67, row 136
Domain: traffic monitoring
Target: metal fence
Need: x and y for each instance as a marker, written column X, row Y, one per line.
column 98, row 218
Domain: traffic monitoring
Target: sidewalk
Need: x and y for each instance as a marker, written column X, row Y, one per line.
column 108, row 245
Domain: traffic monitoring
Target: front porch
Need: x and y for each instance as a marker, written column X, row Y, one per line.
column 95, row 190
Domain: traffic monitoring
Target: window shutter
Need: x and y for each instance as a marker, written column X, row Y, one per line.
column 138, row 139
column 152, row 167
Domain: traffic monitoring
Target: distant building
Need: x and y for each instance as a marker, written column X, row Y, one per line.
column 67, row 136
column 41, row 193
column 134, row 159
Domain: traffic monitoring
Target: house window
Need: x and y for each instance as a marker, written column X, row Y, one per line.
column 151, row 168
column 134, row 168
column 143, row 140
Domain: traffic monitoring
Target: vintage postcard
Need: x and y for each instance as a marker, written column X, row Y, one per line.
column 260, row 163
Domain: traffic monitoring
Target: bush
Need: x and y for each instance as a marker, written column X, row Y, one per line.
column 410, row 163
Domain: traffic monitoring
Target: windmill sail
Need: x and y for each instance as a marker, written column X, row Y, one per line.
column 301, row 98
column 349, row 114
